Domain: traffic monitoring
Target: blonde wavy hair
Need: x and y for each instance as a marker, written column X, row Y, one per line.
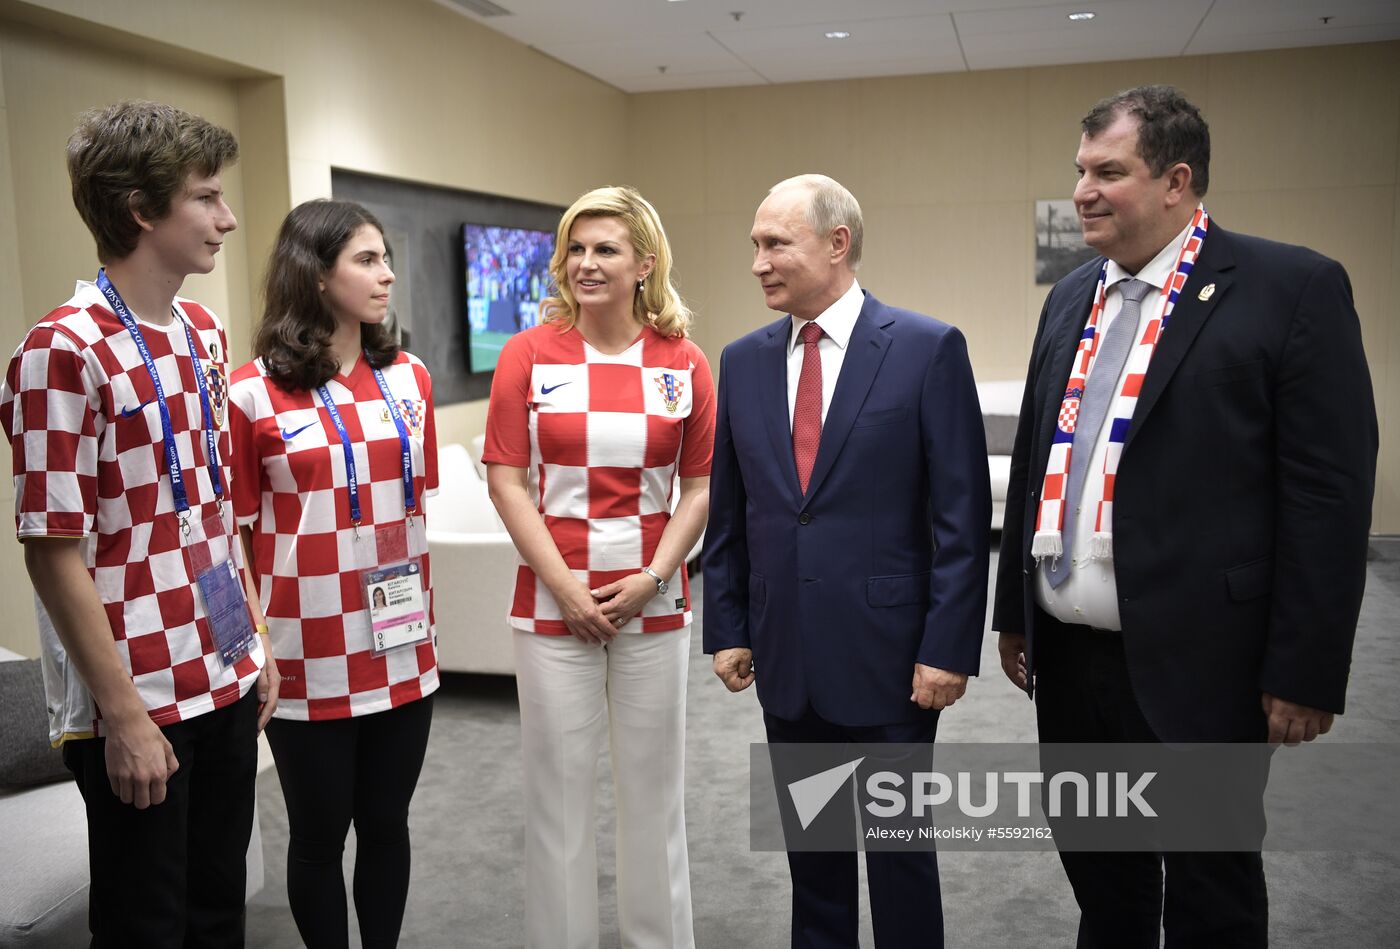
column 657, row 303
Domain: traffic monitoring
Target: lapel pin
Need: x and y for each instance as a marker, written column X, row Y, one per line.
column 1206, row 292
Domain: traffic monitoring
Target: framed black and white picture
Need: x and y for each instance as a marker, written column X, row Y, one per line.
column 1059, row 242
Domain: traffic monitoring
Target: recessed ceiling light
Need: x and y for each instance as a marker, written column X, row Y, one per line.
column 1082, row 15
column 838, row 35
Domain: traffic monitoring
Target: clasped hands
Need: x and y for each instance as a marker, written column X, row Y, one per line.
column 594, row 616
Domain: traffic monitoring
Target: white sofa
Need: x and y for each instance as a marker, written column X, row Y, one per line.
column 44, row 873
column 1001, row 408
column 474, row 566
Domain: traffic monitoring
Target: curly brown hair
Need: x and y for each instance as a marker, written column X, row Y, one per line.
column 294, row 337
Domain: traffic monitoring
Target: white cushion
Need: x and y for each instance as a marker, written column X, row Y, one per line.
column 44, row 876
column 1001, row 397
column 462, row 504
column 478, row 448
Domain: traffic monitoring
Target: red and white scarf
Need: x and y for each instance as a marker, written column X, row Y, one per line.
column 1050, row 519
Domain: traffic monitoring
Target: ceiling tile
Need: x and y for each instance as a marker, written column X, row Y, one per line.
column 701, row 44
column 693, row 53
column 1125, row 29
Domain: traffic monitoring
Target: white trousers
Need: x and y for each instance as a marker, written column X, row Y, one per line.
column 572, row 695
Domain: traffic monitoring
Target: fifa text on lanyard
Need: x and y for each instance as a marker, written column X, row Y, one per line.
column 224, row 603
column 393, row 585
column 172, row 453
column 410, row 503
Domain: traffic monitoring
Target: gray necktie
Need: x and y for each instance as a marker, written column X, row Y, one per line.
column 1100, row 392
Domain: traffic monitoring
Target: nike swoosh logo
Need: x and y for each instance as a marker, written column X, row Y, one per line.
column 288, row 436
column 128, row 413
column 546, row 390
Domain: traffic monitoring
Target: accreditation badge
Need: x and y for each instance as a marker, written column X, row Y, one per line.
column 209, row 557
column 397, row 611
column 393, row 589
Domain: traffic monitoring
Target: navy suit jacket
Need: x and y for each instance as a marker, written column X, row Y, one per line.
column 1243, row 495
column 883, row 563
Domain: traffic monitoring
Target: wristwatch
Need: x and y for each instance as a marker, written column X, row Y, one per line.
column 661, row 585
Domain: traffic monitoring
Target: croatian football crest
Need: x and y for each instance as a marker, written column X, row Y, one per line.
column 414, row 412
column 218, row 393
column 671, row 390
column 1069, row 409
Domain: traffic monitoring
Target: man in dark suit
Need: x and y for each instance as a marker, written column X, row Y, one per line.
column 1185, row 539
column 846, row 552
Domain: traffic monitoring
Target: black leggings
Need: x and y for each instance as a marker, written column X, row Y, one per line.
column 332, row 772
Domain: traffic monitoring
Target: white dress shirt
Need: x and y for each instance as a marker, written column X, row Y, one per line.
column 1089, row 595
column 837, row 322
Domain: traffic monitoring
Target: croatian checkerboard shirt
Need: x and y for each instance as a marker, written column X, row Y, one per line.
column 603, row 438
column 80, row 410
column 290, row 487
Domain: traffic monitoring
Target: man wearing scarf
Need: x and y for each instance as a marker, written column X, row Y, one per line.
column 1184, row 549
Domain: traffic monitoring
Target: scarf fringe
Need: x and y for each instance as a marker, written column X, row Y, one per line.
column 1101, row 546
column 1046, row 544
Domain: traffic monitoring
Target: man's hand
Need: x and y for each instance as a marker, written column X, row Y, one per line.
column 1012, row 648
column 936, row 688
column 139, row 760
column 735, row 668
column 1291, row 723
column 269, row 685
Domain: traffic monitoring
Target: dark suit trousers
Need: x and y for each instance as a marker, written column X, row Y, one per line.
column 1215, row 900
column 906, row 906
column 173, row 876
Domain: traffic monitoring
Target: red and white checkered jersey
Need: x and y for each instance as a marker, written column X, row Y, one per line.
column 603, row 438
column 290, row 486
column 80, row 410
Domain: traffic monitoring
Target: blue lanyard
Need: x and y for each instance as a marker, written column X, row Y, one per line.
column 172, row 452
column 410, row 504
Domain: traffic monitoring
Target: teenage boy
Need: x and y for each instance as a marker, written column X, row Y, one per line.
column 115, row 405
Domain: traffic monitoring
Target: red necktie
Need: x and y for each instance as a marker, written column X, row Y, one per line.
column 807, row 414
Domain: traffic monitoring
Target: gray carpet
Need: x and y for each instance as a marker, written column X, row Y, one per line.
column 468, row 880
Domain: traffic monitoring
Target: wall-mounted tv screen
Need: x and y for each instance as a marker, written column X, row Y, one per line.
column 507, row 276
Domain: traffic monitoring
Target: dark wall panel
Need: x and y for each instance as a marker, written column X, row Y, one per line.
column 430, row 297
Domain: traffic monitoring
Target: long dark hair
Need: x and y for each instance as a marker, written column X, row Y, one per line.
column 294, row 336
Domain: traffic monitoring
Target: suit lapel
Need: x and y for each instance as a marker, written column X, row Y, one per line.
column 1066, row 329
column 773, row 400
column 1188, row 316
column 865, row 351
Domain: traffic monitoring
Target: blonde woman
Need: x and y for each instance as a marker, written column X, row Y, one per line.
column 594, row 413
